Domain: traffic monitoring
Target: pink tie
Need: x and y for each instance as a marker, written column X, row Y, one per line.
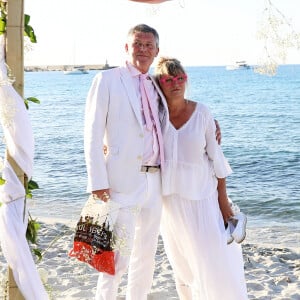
column 149, row 110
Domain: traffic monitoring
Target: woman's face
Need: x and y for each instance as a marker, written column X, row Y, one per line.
column 173, row 86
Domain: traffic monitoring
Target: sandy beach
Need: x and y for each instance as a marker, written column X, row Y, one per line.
column 272, row 270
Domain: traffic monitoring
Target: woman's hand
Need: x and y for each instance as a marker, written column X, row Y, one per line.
column 226, row 210
column 218, row 132
column 224, row 204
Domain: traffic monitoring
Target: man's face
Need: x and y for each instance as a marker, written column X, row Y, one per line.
column 142, row 49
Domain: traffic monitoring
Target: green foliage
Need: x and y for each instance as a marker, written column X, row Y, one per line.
column 38, row 253
column 31, row 185
column 2, row 25
column 32, row 234
column 3, row 14
column 31, row 99
column 32, row 230
column 33, row 226
column 28, row 30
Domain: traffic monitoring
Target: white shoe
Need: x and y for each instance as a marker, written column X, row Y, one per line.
column 229, row 230
column 239, row 222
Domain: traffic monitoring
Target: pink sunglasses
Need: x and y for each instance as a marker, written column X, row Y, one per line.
column 168, row 80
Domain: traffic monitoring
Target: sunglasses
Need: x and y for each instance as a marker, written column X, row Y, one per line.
column 169, row 80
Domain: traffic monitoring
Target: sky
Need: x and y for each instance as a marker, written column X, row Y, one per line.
column 197, row 32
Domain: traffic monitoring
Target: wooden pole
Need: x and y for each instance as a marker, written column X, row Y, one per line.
column 15, row 61
column 15, row 42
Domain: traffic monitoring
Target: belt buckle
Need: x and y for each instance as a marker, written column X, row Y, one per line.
column 152, row 170
column 149, row 169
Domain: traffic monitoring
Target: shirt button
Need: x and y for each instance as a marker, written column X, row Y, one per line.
column 139, row 157
column 141, row 135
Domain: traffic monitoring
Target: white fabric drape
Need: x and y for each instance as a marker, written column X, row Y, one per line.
column 13, row 215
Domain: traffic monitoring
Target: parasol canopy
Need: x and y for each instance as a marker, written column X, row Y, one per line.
column 150, row 1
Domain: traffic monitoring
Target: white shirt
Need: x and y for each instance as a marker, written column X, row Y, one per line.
column 193, row 158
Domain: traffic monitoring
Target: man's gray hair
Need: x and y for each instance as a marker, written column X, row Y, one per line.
column 146, row 29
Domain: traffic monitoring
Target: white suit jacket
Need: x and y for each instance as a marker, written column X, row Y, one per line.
column 113, row 117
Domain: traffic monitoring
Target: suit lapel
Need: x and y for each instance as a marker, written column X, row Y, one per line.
column 134, row 101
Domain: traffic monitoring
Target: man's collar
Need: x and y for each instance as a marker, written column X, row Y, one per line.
column 132, row 69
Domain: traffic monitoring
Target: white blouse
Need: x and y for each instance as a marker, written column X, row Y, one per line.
column 193, row 158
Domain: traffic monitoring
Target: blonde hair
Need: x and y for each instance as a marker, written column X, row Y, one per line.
column 168, row 66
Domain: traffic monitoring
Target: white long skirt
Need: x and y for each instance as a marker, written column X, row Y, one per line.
column 204, row 266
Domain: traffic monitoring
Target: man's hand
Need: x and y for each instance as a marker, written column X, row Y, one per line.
column 102, row 195
column 218, row 132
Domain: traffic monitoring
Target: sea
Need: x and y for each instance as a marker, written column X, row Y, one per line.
column 259, row 116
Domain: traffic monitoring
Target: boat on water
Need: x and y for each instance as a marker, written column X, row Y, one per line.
column 239, row 65
column 76, row 71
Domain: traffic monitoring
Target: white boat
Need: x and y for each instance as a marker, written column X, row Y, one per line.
column 239, row 65
column 76, row 71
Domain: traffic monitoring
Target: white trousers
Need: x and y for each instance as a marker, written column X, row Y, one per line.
column 137, row 230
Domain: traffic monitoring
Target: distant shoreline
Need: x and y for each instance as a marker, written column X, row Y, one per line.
column 66, row 67
column 106, row 67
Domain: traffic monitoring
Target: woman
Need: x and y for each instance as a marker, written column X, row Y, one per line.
column 195, row 199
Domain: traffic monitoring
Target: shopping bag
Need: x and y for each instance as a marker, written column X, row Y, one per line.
column 93, row 239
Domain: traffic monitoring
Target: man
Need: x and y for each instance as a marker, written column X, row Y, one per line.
column 129, row 173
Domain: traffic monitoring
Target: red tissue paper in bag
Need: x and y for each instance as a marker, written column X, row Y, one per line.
column 92, row 245
column 102, row 261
